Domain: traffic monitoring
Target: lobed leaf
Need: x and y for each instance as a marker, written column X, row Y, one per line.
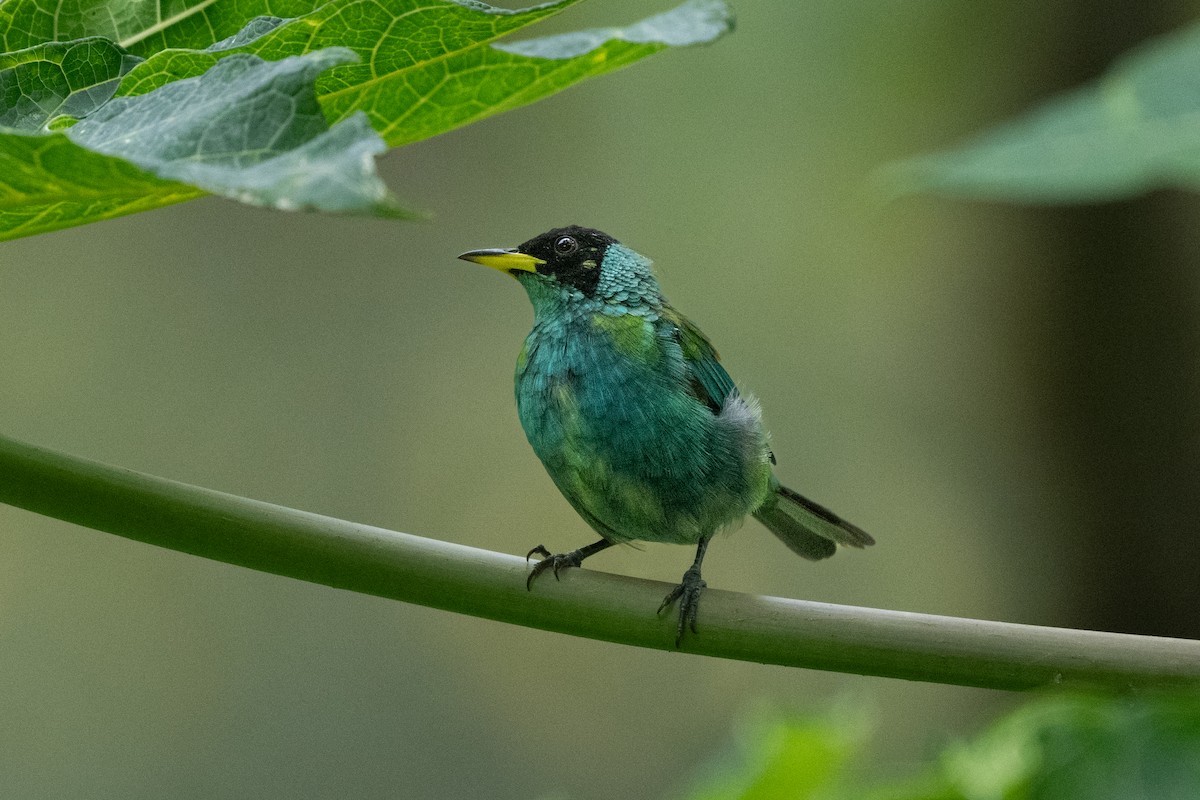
column 394, row 41
column 142, row 26
column 408, row 69
column 247, row 129
column 429, row 66
column 50, row 183
column 48, row 80
column 1135, row 129
column 415, row 102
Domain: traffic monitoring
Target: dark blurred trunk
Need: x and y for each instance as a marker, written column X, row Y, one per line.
column 1121, row 363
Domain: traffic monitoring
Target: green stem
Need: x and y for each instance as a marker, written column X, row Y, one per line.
column 587, row 603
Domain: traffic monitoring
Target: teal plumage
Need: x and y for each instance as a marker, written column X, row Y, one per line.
column 627, row 405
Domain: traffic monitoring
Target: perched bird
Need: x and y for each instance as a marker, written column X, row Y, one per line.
column 640, row 427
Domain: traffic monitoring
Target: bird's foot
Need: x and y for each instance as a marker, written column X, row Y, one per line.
column 557, row 562
column 688, row 594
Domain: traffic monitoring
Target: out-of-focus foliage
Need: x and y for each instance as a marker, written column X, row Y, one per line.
column 1132, row 130
column 1055, row 748
column 1083, row 748
column 777, row 757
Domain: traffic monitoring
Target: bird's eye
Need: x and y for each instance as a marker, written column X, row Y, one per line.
column 566, row 245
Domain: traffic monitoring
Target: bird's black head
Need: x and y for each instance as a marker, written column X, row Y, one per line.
column 570, row 257
column 573, row 255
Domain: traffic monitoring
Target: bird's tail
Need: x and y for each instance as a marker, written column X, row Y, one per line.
column 808, row 529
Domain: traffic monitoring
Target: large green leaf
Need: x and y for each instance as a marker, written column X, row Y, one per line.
column 72, row 78
column 49, row 182
column 408, row 102
column 422, row 67
column 142, row 26
column 414, row 85
column 1135, row 129
column 387, row 38
column 247, row 129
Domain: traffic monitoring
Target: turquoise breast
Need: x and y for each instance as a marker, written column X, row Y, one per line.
column 605, row 403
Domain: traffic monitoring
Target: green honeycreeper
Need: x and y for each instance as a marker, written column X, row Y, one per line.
column 640, row 427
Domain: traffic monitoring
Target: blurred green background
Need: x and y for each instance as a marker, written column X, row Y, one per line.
column 1005, row 397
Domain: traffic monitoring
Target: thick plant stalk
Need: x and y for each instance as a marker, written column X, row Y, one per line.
column 468, row 580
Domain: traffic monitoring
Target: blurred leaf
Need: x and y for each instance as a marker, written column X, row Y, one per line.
column 1086, row 748
column 1133, row 130
column 1062, row 747
column 781, row 759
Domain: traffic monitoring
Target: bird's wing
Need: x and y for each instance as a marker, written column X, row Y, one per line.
column 709, row 381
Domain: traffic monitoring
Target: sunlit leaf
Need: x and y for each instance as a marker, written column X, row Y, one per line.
column 424, row 100
column 71, row 78
column 49, row 182
column 247, row 129
column 142, row 26
column 414, row 84
column 408, row 69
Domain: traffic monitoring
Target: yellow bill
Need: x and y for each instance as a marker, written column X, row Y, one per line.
column 503, row 260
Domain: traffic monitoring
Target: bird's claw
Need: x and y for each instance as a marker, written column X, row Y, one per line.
column 540, row 550
column 688, row 594
column 557, row 562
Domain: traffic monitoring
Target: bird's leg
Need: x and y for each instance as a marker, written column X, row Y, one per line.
column 688, row 593
column 561, row 560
